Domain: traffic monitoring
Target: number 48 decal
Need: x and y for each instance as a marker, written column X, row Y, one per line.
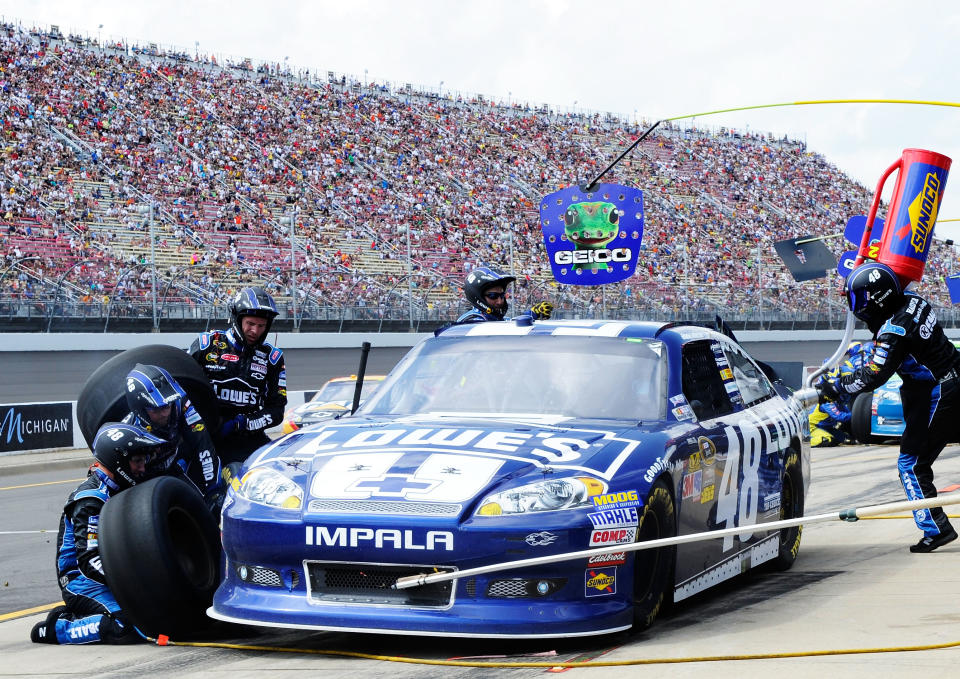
column 737, row 497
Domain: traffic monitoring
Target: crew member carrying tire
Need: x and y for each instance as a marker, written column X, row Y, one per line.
column 247, row 374
column 123, row 454
column 159, row 405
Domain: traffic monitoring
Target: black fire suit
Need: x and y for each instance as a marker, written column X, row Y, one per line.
column 251, row 385
column 188, row 453
column 912, row 343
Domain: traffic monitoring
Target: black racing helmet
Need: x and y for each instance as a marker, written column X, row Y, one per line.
column 116, row 448
column 477, row 283
column 149, row 388
column 252, row 302
column 874, row 293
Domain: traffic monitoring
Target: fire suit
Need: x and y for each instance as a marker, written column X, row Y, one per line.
column 828, row 422
column 92, row 613
column 912, row 343
column 251, row 385
column 189, row 453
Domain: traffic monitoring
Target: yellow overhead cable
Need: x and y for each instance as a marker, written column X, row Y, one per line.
column 814, row 102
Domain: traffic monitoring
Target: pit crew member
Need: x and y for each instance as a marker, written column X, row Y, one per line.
column 247, row 374
column 159, row 405
column 486, row 291
column 910, row 341
column 122, row 458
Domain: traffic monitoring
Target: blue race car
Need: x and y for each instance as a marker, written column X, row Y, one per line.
column 500, row 441
column 878, row 415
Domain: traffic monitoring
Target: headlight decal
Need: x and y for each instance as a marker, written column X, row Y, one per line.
column 267, row 486
column 543, row 496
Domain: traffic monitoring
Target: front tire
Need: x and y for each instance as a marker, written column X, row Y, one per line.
column 161, row 555
column 653, row 569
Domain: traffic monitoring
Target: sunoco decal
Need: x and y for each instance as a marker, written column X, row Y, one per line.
column 600, row 581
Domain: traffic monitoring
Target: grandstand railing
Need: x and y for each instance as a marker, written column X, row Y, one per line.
column 63, row 313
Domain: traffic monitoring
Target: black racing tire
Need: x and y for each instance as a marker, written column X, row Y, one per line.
column 103, row 397
column 653, row 569
column 160, row 547
column 861, row 418
column 791, row 507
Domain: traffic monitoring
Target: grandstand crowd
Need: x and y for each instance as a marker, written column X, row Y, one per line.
column 230, row 154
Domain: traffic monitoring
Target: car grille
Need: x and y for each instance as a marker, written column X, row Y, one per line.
column 369, row 584
column 383, row 507
column 266, row 577
column 507, row 589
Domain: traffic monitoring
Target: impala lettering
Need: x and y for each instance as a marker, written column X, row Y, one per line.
column 379, row 538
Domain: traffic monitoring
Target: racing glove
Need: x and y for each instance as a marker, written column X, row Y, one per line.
column 542, row 310
column 829, row 390
column 238, row 423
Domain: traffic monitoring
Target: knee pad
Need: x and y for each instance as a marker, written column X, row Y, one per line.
column 116, row 629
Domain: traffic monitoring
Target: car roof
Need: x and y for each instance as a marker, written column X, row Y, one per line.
column 672, row 332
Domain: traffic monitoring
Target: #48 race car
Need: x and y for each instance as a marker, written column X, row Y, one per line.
column 500, row 441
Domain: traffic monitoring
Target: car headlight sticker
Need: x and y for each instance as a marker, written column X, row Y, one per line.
column 543, row 496
column 269, row 487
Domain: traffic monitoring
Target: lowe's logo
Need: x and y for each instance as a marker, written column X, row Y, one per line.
column 378, row 538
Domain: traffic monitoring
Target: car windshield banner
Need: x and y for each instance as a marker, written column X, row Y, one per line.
column 34, row 426
column 592, row 237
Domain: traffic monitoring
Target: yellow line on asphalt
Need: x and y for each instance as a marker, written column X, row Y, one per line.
column 45, row 483
column 29, row 611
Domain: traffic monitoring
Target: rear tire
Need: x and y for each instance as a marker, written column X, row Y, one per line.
column 653, row 569
column 861, row 418
column 161, row 555
column 103, row 397
column 791, row 507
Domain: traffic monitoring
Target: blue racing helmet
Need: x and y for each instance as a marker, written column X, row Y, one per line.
column 874, row 293
column 151, row 389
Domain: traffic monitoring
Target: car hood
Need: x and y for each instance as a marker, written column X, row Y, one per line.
column 452, row 462
column 322, row 407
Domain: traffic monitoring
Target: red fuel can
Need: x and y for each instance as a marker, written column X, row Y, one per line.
column 917, row 194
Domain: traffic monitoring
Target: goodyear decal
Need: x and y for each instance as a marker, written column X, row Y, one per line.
column 600, row 581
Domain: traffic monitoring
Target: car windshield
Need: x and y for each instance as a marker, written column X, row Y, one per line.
column 343, row 391
column 568, row 376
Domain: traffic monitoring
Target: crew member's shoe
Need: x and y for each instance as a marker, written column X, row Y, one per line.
column 928, row 543
column 46, row 632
